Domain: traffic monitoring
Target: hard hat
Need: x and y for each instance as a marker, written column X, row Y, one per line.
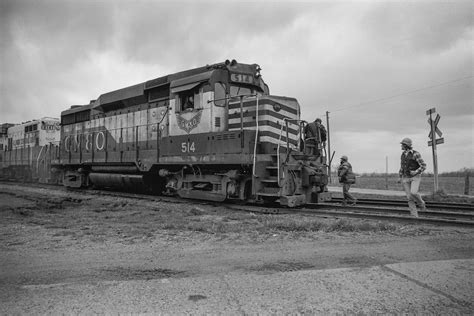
column 344, row 158
column 318, row 120
column 407, row 141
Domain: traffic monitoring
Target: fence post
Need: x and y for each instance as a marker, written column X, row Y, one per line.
column 466, row 183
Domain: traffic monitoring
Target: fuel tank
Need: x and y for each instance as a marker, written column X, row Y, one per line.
column 122, row 181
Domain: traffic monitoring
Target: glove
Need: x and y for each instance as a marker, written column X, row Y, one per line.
column 413, row 173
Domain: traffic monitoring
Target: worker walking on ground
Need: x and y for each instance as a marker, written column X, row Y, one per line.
column 411, row 168
column 315, row 137
column 346, row 178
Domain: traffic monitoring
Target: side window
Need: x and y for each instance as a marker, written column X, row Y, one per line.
column 219, row 94
column 189, row 100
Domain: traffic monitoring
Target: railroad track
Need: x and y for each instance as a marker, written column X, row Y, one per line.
column 458, row 214
column 403, row 203
column 447, row 217
column 380, row 211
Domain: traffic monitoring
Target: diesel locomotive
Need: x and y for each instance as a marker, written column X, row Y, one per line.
column 213, row 133
column 27, row 150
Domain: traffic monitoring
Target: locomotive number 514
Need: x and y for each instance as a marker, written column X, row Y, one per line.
column 187, row 147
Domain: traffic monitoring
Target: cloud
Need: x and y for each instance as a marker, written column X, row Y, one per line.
column 419, row 27
column 194, row 31
column 65, row 31
column 376, row 67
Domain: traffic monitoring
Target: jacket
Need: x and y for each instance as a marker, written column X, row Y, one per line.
column 345, row 174
column 313, row 131
column 411, row 161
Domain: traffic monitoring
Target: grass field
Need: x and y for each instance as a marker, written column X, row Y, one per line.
column 450, row 185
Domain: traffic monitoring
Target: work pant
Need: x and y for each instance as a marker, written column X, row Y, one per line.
column 411, row 186
column 346, row 194
column 312, row 149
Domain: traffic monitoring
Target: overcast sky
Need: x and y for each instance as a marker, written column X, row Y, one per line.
column 375, row 66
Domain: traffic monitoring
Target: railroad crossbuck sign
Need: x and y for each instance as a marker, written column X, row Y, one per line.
column 433, row 142
column 434, row 126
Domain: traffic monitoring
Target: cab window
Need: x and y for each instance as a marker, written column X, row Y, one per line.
column 240, row 90
column 189, row 100
column 219, row 94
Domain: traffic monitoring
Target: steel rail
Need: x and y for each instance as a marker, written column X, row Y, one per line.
column 362, row 213
column 395, row 210
column 405, row 218
column 429, row 204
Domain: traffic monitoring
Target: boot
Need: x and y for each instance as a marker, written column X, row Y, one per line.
column 413, row 210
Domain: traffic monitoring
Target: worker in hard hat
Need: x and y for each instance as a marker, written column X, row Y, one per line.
column 346, row 178
column 315, row 137
column 411, row 168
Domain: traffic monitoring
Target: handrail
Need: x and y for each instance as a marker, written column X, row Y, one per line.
column 38, row 158
column 163, row 117
column 286, row 121
column 278, row 156
column 254, row 167
column 300, row 124
column 255, row 142
column 301, row 130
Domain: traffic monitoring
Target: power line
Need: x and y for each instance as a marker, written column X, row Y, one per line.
column 401, row 94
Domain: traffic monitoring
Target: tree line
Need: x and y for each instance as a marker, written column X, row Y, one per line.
column 460, row 173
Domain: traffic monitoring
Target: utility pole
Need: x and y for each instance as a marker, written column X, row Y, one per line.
column 386, row 172
column 329, row 158
column 433, row 142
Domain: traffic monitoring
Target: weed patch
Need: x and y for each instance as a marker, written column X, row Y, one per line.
column 314, row 225
column 291, row 224
column 345, row 225
column 23, row 212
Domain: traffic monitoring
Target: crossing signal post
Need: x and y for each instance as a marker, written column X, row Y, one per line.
column 434, row 141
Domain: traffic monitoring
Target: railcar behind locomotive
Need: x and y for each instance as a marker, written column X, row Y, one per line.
column 28, row 149
column 211, row 133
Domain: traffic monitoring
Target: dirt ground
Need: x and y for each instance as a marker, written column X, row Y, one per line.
column 51, row 236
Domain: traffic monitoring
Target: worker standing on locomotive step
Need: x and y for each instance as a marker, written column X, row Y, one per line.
column 347, row 178
column 315, row 137
column 411, row 168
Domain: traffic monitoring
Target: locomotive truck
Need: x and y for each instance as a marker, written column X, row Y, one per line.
column 213, row 133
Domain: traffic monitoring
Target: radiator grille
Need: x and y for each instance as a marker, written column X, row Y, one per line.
column 225, row 136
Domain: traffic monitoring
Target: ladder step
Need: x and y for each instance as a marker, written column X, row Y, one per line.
column 270, row 180
column 201, row 185
column 267, row 194
column 272, row 167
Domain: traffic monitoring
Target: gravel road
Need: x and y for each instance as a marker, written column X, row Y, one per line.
column 65, row 252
